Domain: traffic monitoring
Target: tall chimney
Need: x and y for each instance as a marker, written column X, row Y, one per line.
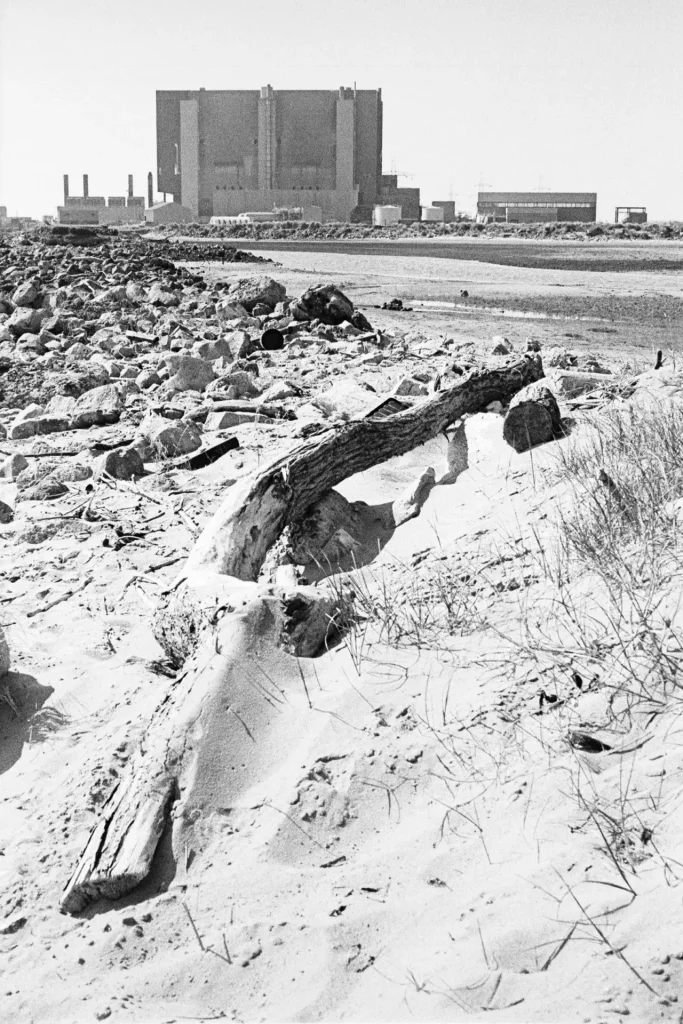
column 85, row 186
column 150, row 189
column 66, row 188
column 130, row 186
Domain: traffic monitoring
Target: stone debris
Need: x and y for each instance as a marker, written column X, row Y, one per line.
column 120, row 361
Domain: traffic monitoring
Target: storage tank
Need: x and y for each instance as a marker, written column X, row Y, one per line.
column 432, row 213
column 383, row 216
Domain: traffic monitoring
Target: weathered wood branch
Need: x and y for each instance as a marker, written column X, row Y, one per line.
column 236, row 540
column 532, row 418
column 225, row 627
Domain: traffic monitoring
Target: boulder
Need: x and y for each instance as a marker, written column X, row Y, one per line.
column 501, row 346
column 167, row 439
column 147, row 379
column 121, row 463
column 241, row 344
column 26, row 294
column 345, row 400
column 25, row 320
column 6, row 516
column 210, row 350
column 96, row 407
column 189, row 373
column 28, row 424
column 230, row 310
column 226, row 420
column 45, row 490
column 256, row 291
column 160, row 296
column 325, row 303
column 361, row 322
column 12, row 466
column 241, row 381
column 410, row 386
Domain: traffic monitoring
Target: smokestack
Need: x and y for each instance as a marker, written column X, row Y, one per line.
column 85, row 186
column 150, row 189
column 130, row 186
column 66, row 188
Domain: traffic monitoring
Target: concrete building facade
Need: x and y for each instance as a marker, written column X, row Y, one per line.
column 537, row 207
column 222, row 153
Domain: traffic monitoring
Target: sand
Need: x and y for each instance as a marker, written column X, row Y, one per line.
column 407, row 835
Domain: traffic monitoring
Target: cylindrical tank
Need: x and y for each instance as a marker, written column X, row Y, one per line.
column 432, row 213
column 382, row 216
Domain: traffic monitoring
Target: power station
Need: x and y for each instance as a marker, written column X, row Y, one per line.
column 223, row 153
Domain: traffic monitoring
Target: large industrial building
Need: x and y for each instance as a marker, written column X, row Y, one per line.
column 222, row 153
column 536, row 207
column 87, row 209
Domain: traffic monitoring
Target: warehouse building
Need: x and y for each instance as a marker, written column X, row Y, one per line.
column 222, row 153
column 536, row 207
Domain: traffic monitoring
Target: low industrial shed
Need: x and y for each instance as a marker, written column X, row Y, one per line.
column 537, row 207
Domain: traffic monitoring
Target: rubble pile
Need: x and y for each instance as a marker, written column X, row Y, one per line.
column 117, row 362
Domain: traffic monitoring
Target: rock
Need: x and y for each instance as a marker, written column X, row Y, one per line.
column 168, row 439
column 325, row 303
column 10, row 925
column 279, row 391
column 26, row 294
column 348, row 398
column 54, row 324
column 361, row 322
column 225, row 420
column 45, row 490
column 230, row 310
column 533, row 418
column 12, row 467
column 210, row 350
column 121, row 463
column 28, row 426
column 241, row 344
column 501, row 346
column 96, row 407
column 147, row 379
column 410, row 386
column 160, row 296
column 31, row 341
column 256, row 291
column 4, row 669
column 570, row 383
column 6, row 516
column 72, row 472
column 242, row 382
column 25, row 320
column 189, row 373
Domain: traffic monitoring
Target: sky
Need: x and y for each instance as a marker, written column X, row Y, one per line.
column 562, row 95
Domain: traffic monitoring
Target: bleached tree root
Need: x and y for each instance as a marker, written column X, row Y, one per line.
column 237, row 538
column 221, row 626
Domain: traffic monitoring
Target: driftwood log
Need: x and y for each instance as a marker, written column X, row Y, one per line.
column 222, row 627
column 532, row 418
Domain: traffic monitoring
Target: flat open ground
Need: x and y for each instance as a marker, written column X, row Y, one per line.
column 622, row 314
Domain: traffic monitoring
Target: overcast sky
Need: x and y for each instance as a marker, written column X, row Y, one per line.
column 513, row 94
